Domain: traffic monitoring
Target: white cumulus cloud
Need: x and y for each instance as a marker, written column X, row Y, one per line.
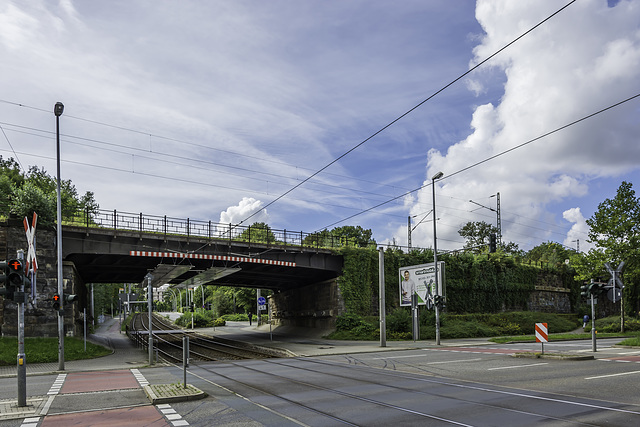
column 246, row 207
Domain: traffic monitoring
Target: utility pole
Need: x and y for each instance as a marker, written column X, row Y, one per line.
column 498, row 217
column 381, row 291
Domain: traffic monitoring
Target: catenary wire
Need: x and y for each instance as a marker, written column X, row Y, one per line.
column 413, row 108
column 538, row 138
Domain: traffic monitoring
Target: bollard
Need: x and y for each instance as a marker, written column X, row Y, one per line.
column 185, row 358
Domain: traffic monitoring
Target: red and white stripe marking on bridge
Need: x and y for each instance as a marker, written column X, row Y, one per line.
column 212, row 257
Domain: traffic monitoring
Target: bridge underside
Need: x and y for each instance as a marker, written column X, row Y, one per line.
column 104, row 257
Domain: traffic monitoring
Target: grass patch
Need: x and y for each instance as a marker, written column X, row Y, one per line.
column 633, row 341
column 45, row 350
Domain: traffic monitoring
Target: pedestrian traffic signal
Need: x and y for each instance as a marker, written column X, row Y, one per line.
column 56, row 302
column 584, row 290
column 493, row 242
column 3, row 278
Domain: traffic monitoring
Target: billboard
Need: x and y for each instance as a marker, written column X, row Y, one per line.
column 421, row 280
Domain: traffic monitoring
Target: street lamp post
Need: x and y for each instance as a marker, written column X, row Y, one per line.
column 435, row 252
column 57, row 110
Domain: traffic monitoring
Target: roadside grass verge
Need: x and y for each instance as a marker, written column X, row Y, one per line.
column 562, row 337
column 45, row 350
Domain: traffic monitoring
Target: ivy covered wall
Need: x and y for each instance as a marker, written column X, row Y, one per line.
column 487, row 283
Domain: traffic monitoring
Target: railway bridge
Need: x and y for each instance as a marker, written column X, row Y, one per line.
column 117, row 247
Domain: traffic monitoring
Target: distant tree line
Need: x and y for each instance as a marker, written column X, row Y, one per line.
column 24, row 192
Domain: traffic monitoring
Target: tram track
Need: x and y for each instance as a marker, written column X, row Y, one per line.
column 168, row 341
column 309, row 376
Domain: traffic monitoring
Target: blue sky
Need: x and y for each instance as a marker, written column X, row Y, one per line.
column 213, row 109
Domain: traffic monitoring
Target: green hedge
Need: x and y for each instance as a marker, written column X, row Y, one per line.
column 488, row 283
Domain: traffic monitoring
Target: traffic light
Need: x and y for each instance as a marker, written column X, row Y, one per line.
column 56, row 302
column 598, row 288
column 493, row 242
column 584, row 290
column 15, row 279
column 3, row 279
column 439, row 301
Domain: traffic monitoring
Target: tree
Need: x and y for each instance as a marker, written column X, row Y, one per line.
column 10, row 179
column 477, row 234
column 36, row 191
column 551, row 253
column 615, row 230
column 258, row 232
column 347, row 235
column 477, row 237
column 29, row 198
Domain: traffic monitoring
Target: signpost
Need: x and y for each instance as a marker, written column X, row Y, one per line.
column 542, row 334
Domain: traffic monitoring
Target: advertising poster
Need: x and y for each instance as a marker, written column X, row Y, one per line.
column 421, row 280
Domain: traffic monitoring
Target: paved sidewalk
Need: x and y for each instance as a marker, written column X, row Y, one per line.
column 125, row 355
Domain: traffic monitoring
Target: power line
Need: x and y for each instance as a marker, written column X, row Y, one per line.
column 415, row 107
column 496, row 155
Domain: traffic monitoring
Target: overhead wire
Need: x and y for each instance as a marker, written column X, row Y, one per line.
column 473, row 165
column 397, row 119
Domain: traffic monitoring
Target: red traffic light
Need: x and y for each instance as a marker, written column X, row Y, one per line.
column 56, row 302
column 15, row 265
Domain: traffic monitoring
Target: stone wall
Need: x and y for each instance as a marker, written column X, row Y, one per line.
column 40, row 319
column 313, row 306
column 550, row 299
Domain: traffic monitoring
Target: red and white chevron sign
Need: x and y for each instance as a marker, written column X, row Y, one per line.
column 212, row 257
column 542, row 333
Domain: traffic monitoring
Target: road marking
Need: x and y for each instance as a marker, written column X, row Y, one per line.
column 519, row 366
column 612, row 375
column 453, row 361
column 422, row 355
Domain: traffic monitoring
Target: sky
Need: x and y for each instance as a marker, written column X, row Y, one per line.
column 320, row 114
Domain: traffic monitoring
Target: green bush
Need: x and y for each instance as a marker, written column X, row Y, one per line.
column 348, row 322
column 201, row 319
column 399, row 321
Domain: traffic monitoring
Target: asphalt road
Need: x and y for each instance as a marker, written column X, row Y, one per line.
column 474, row 386
column 479, row 385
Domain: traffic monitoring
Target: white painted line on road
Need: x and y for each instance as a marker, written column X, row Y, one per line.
column 516, row 367
column 453, row 361
column 612, row 375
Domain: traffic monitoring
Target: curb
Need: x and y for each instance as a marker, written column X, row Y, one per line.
column 556, row 356
column 171, row 393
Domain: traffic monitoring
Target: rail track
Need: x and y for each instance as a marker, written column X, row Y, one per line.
column 168, row 341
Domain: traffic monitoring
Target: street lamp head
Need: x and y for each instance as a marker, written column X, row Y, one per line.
column 58, row 109
column 437, row 176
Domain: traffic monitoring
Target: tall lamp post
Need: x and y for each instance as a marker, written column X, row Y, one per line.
column 57, row 110
column 435, row 252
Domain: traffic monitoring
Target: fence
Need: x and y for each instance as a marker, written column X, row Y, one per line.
column 164, row 225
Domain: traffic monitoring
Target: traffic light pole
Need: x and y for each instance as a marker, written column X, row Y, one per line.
column 150, row 307
column 22, row 367
column 593, row 325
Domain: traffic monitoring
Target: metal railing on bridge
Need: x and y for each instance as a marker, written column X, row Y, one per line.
column 258, row 233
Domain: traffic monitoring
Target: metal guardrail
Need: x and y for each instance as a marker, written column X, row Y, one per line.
column 165, row 225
